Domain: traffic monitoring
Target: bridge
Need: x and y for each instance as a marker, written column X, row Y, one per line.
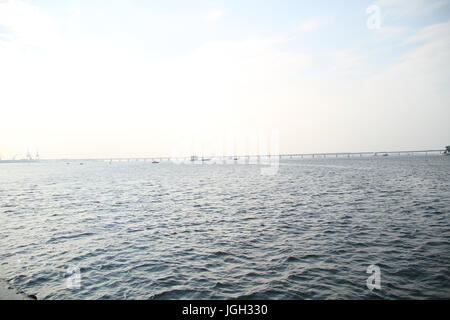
column 267, row 156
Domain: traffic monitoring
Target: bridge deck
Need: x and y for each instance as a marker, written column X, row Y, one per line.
column 281, row 156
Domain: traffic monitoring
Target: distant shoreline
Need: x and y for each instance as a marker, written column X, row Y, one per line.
column 224, row 157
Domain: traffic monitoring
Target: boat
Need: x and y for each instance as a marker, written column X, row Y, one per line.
column 384, row 154
column 154, row 161
column 194, row 158
column 447, row 151
column 29, row 158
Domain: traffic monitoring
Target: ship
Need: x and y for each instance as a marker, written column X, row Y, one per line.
column 27, row 159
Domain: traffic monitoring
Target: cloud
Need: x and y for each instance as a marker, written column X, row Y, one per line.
column 399, row 10
column 313, row 24
column 130, row 97
column 409, row 100
column 214, row 15
column 389, row 32
column 26, row 23
column 436, row 32
column 99, row 98
column 345, row 62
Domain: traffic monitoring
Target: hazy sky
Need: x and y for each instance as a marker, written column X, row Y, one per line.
column 139, row 78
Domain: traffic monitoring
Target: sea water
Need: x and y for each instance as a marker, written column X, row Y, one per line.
column 314, row 230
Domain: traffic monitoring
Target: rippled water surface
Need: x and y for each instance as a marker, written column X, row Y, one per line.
column 168, row 231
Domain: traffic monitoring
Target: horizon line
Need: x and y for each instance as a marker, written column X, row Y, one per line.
column 336, row 154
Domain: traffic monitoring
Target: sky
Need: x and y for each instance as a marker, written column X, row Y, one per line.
column 100, row 79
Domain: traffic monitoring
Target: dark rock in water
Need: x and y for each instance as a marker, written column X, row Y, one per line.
column 9, row 292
